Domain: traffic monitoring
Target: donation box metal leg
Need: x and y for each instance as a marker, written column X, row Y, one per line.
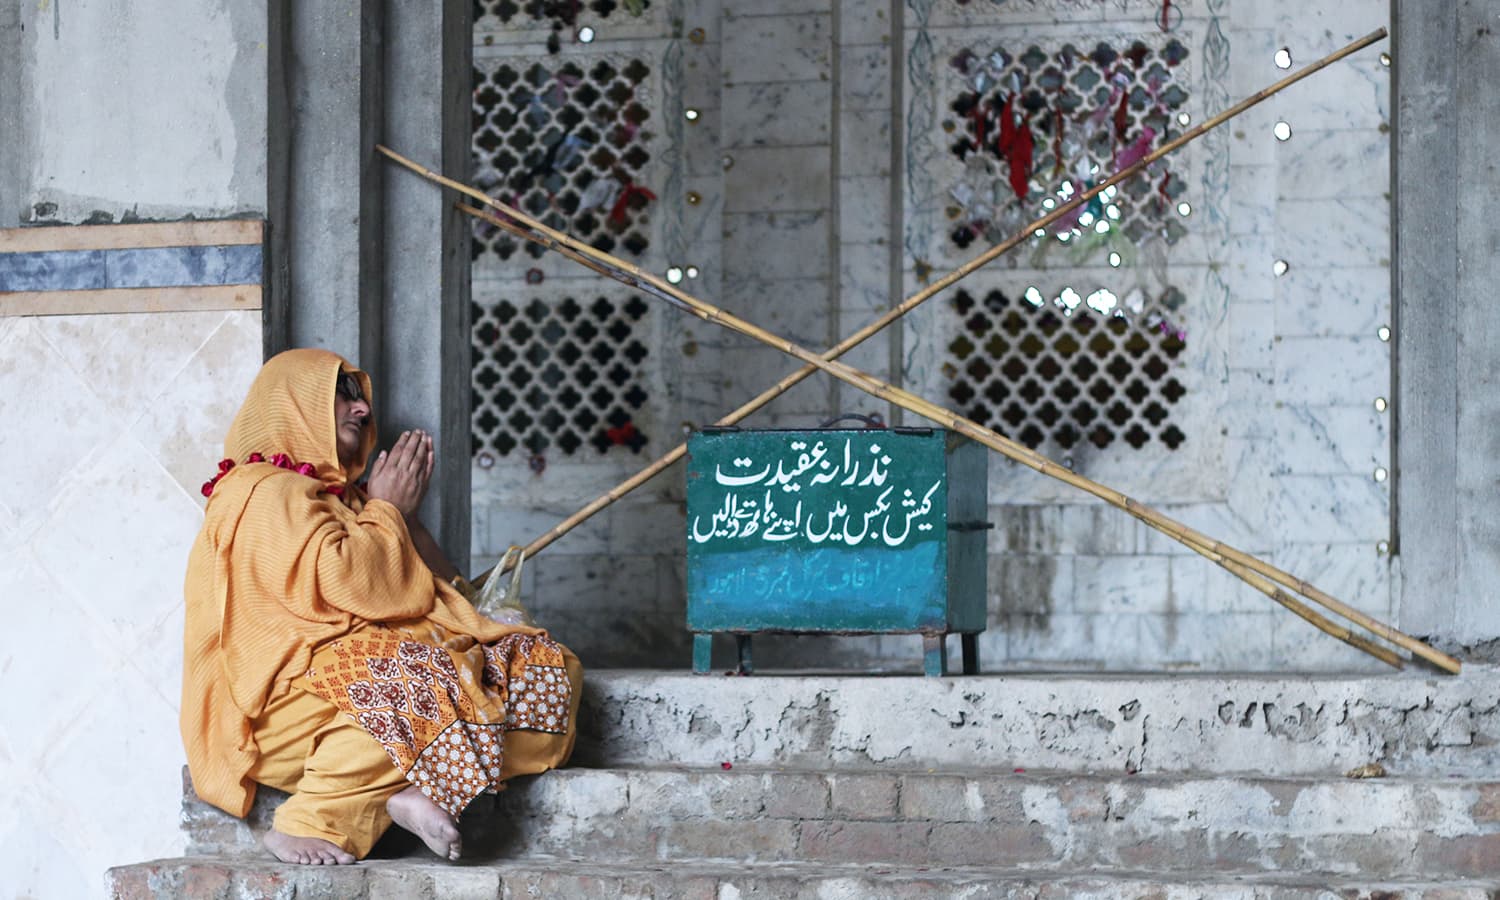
column 703, row 653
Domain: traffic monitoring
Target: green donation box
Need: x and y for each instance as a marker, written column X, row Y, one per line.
column 836, row 531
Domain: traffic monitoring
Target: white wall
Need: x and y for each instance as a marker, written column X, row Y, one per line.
column 109, row 423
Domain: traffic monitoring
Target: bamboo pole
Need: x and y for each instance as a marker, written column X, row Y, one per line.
column 891, row 315
column 1238, row 561
column 1210, row 549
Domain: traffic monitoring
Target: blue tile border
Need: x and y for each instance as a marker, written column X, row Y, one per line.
column 52, row 270
column 83, row 270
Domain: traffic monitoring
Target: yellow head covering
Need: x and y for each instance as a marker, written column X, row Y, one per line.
column 290, row 410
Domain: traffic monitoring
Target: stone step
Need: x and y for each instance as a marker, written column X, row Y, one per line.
column 1416, row 723
column 1054, row 822
column 405, row 880
column 1383, row 828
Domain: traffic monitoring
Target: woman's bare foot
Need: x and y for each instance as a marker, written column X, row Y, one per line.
column 305, row 851
column 413, row 811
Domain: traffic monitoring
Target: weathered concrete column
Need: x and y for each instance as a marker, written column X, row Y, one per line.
column 368, row 260
column 11, row 203
column 425, row 304
column 1445, row 239
column 323, row 180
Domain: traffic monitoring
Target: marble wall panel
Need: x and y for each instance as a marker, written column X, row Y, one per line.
column 1254, row 495
column 1298, row 646
column 865, row 77
column 1251, row 331
column 1248, row 272
column 1338, row 508
column 99, row 566
column 41, row 609
column 776, row 179
column 873, row 357
column 1341, row 232
column 701, row 87
column 39, row 859
column 865, row 143
column 866, row 21
column 864, row 209
column 1245, row 529
column 1331, row 371
column 1354, row 93
column 702, row 159
column 1351, row 301
column 1251, row 139
column 1360, row 571
column 495, row 527
column 45, row 397
column 1084, row 529
column 1075, row 641
column 571, row 583
column 864, row 273
column 133, row 563
column 777, row 113
column 1210, row 641
column 1250, row 213
column 792, row 309
column 776, row 245
column 1252, row 61
column 513, row 483
column 701, row 230
column 1035, row 585
column 637, row 528
column 1247, row 390
column 1338, row 24
column 705, row 14
column 582, row 600
column 1120, row 584
column 1201, row 586
column 752, row 370
column 1331, row 440
column 1332, row 163
column 778, row 47
column 112, row 794
column 105, row 352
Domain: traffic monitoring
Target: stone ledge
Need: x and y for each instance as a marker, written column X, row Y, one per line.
column 404, row 880
column 1414, row 723
column 1376, row 828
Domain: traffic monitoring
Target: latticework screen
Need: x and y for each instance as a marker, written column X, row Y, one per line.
column 567, row 142
column 1038, row 373
column 558, row 377
column 1030, row 126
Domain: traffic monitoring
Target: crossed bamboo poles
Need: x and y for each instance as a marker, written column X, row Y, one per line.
column 1257, row 573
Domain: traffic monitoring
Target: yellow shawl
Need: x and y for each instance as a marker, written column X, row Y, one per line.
column 286, row 562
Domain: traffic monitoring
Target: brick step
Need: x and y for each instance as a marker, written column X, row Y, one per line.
column 1415, row 723
column 1059, row 822
column 248, row 879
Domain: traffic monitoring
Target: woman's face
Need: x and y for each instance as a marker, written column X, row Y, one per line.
column 351, row 415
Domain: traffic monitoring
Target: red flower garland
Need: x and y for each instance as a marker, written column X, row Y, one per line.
column 277, row 459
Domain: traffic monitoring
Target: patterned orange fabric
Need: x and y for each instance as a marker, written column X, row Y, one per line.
column 443, row 728
column 282, row 566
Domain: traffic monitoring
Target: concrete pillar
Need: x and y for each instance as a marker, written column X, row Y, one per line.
column 1445, row 240
column 365, row 259
column 323, row 180
column 425, row 357
column 11, row 202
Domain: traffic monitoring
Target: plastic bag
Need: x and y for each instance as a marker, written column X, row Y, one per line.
column 503, row 604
